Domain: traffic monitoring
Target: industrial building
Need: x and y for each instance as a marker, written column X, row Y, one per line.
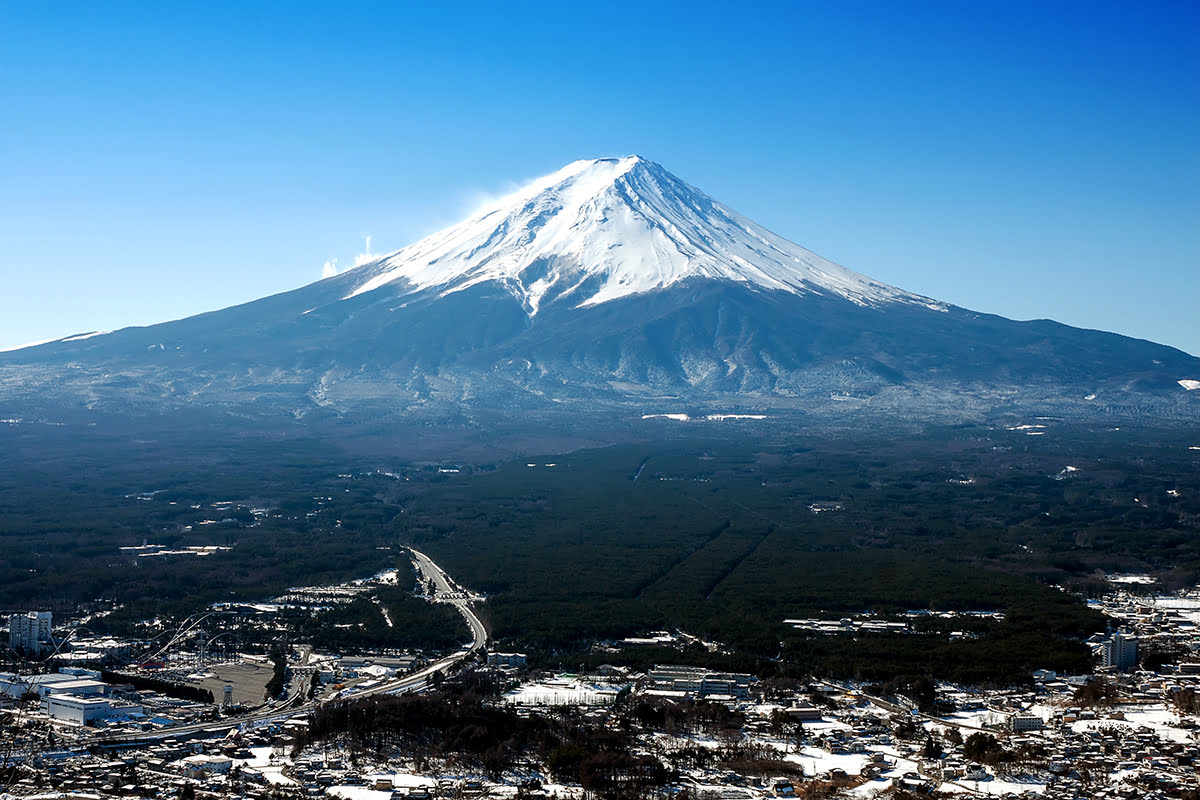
column 86, row 710
column 699, row 682
column 42, row 685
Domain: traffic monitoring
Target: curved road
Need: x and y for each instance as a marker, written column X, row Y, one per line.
column 444, row 590
column 454, row 594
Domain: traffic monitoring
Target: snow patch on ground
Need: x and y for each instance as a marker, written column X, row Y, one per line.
column 27, row 344
column 1155, row 716
column 706, row 417
column 270, row 766
column 83, row 336
column 1131, row 579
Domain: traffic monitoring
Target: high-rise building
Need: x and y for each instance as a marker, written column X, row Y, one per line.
column 1120, row 651
column 29, row 632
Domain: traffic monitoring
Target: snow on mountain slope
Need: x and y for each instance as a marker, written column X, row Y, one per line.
column 602, row 229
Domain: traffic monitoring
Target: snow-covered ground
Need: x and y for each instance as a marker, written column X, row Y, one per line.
column 562, row 692
column 979, row 719
column 270, row 767
column 399, row 780
column 1131, row 579
column 402, row 781
column 679, row 417
column 1155, row 716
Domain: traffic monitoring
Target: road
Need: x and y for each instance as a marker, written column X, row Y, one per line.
column 445, row 590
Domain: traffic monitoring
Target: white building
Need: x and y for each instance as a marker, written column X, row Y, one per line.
column 201, row 763
column 80, row 687
column 506, row 659
column 699, row 682
column 1027, row 722
column 13, row 685
column 79, row 710
column 1120, row 652
column 42, row 685
column 29, row 632
column 86, row 710
column 72, row 682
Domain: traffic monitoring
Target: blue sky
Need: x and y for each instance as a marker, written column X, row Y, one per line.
column 1026, row 159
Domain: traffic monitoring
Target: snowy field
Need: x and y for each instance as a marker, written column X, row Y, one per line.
column 562, row 692
column 271, row 768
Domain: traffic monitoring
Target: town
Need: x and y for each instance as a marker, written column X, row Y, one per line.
column 186, row 716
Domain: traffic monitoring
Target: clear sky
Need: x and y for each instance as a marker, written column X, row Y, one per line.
column 1035, row 159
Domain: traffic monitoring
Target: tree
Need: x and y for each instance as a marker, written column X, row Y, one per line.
column 953, row 737
column 565, row 760
column 932, row 750
column 1097, row 692
column 905, row 728
column 982, row 747
column 278, row 680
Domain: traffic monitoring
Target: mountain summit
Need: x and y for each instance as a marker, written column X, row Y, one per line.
column 599, row 230
column 604, row 292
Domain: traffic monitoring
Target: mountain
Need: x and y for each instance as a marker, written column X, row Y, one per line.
column 609, row 289
column 598, row 231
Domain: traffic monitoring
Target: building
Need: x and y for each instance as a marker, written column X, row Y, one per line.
column 803, row 714
column 1119, row 652
column 514, row 660
column 1027, row 722
column 80, row 687
column 699, row 682
column 94, row 651
column 86, row 710
column 29, row 632
column 41, row 685
column 79, row 710
column 207, row 764
column 13, row 685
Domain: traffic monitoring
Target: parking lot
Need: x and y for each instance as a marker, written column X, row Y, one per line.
column 248, row 679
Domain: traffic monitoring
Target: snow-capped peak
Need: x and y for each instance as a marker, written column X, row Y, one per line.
column 597, row 230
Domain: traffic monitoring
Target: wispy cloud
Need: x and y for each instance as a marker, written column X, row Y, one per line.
column 477, row 202
column 366, row 256
column 331, row 268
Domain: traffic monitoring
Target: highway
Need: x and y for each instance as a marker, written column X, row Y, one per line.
column 445, row 590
